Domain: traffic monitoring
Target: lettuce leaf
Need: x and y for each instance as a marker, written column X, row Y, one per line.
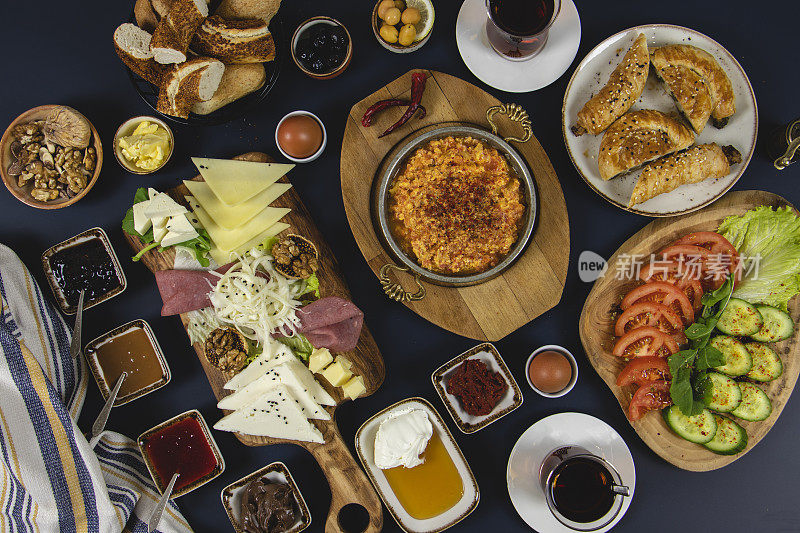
column 299, row 344
column 769, row 242
column 311, row 286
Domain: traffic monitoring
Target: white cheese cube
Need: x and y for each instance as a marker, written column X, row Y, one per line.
column 152, row 193
column 176, row 237
column 159, row 232
column 141, row 222
column 163, row 206
column 180, row 224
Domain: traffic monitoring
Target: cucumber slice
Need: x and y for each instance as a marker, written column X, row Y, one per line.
column 740, row 319
column 755, row 404
column 730, row 439
column 720, row 393
column 767, row 366
column 778, row 325
column 738, row 360
column 699, row 428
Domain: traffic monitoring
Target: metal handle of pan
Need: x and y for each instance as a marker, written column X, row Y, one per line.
column 515, row 113
column 793, row 143
column 394, row 290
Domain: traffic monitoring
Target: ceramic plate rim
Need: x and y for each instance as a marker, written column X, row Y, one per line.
column 631, row 482
column 584, row 63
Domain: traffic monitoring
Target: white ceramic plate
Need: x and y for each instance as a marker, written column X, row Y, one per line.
column 592, row 74
column 466, row 422
column 517, row 76
column 365, row 448
column 543, row 437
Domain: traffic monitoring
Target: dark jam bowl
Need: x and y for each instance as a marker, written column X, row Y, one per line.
column 205, row 438
column 67, row 297
column 322, row 39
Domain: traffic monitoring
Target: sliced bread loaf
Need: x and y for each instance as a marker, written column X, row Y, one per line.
column 248, row 9
column 146, row 17
column 133, row 47
column 190, row 82
column 174, row 32
column 235, row 41
column 238, row 80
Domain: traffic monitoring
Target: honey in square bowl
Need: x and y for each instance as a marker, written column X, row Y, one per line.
column 130, row 348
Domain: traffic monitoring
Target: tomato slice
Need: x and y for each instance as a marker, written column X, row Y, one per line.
column 644, row 370
column 645, row 342
column 710, row 240
column 670, row 271
column 664, row 293
column 648, row 397
column 711, row 265
column 693, row 290
column 648, row 314
column 683, row 251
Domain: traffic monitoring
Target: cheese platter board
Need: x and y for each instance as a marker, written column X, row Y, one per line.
column 321, row 435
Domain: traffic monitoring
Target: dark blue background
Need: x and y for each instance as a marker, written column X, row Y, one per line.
column 61, row 52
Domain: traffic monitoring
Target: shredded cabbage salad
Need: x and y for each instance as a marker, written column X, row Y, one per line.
column 201, row 323
column 257, row 300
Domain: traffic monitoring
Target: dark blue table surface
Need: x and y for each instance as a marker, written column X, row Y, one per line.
column 61, row 52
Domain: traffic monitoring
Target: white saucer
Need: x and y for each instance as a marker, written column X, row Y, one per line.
column 543, row 437
column 517, row 76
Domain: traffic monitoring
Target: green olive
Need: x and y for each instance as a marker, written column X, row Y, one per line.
column 392, row 16
column 383, row 7
column 411, row 16
column 389, row 33
column 408, row 34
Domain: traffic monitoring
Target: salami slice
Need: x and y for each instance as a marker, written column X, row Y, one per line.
column 332, row 323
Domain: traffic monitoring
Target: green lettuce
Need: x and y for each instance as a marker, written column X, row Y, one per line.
column 299, row 344
column 769, row 242
column 310, row 286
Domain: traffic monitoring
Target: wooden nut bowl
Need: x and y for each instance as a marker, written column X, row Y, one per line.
column 23, row 193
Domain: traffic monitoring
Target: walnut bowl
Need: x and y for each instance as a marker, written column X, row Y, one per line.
column 23, row 193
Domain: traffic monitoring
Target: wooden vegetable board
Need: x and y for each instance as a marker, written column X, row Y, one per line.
column 491, row 310
column 348, row 482
column 597, row 332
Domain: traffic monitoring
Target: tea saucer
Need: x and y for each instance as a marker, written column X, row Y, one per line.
column 517, row 76
column 543, row 437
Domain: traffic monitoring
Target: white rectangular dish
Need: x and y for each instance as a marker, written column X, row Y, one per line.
column 365, row 448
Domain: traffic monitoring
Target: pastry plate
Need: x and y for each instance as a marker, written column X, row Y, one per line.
column 536, row 443
column 466, row 422
column 491, row 68
column 365, row 448
column 590, row 76
column 276, row 472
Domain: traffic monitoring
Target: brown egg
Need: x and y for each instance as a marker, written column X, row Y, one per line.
column 300, row 136
column 550, row 372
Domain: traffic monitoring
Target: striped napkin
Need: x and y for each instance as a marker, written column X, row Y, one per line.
column 52, row 481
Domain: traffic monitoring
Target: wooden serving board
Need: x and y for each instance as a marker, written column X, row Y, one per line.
column 348, row 482
column 491, row 310
column 597, row 332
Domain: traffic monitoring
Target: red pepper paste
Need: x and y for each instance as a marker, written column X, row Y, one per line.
column 477, row 388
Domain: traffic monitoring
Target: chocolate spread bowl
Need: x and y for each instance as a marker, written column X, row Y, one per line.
column 393, row 166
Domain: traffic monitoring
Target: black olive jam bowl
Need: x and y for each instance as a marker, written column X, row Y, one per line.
column 86, row 261
column 321, row 47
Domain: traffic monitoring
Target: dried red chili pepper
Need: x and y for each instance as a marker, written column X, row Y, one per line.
column 417, row 88
column 369, row 114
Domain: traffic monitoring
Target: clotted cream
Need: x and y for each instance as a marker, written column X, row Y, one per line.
column 401, row 439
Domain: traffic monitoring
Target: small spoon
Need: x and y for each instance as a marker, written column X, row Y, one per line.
column 621, row 489
column 75, row 346
column 100, row 423
column 155, row 518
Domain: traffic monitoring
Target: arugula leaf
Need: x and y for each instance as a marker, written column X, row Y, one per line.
column 267, row 245
column 708, row 357
column 686, row 366
column 299, row 344
column 200, row 246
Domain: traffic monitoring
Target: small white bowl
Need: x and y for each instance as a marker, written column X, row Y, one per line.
column 316, row 154
column 573, row 363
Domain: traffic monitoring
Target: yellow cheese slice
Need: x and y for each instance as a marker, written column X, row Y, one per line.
column 231, row 239
column 234, row 181
column 223, row 258
column 232, row 217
